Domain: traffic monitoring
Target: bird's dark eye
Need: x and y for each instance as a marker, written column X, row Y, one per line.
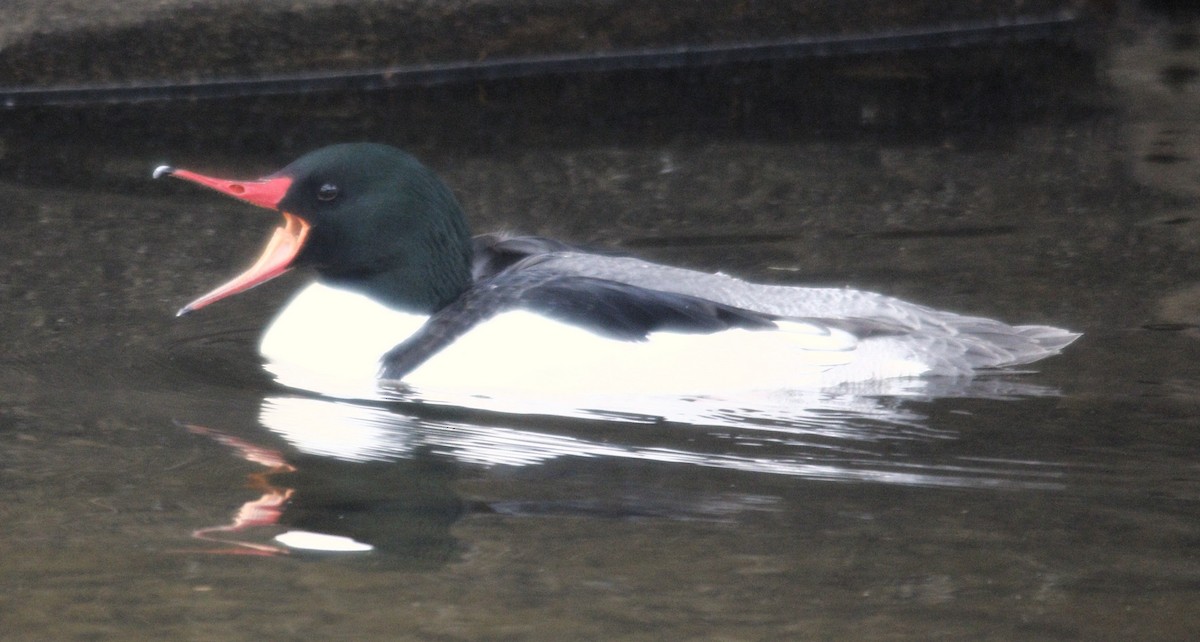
column 327, row 192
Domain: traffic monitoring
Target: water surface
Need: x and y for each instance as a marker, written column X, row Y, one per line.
column 149, row 465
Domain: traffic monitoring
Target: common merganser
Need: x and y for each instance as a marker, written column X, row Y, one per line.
column 404, row 294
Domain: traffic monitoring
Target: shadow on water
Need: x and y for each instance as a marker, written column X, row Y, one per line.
column 141, row 452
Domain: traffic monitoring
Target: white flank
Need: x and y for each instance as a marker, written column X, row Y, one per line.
column 329, row 340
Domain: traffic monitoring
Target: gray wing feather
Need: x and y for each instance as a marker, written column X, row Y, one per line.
column 953, row 344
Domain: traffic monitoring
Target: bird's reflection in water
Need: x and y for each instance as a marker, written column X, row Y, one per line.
column 263, row 512
column 354, row 478
column 313, row 504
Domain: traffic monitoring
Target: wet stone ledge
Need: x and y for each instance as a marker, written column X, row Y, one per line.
column 63, row 43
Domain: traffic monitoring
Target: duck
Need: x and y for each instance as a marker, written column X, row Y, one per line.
column 404, row 297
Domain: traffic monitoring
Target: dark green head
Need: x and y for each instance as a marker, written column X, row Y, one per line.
column 365, row 216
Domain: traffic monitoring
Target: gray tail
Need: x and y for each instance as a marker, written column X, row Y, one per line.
column 1004, row 346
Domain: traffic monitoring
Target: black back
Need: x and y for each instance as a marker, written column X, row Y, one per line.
column 607, row 308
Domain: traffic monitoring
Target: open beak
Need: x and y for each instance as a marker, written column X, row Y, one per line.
column 280, row 251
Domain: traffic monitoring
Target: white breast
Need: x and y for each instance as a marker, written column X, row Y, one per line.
column 329, row 340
